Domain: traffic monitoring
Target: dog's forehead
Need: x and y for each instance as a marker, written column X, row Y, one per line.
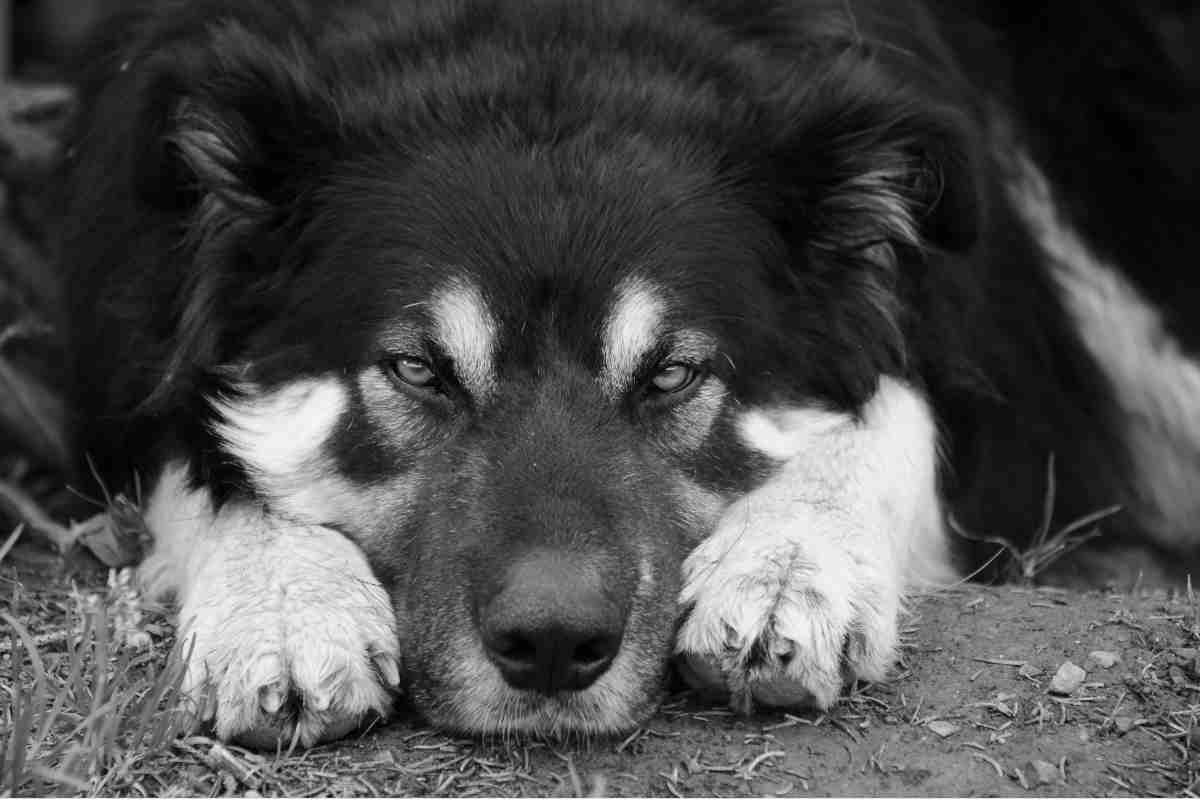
column 500, row 256
column 611, row 329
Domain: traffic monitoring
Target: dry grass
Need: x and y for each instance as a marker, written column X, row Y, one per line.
column 89, row 690
column 1047, row 545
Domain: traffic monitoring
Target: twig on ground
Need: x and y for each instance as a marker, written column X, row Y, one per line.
column 37, row 520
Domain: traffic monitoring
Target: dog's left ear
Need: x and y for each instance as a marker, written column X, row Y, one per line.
column 864, row 167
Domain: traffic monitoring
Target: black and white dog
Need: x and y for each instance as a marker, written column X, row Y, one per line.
column 500, row 350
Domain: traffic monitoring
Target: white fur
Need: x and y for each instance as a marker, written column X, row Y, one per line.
column 632, row 329
column 268, row 607
column 464, row 326
column 279, row 437
column 1157, row 383
column 281, row 432
column 816, row 561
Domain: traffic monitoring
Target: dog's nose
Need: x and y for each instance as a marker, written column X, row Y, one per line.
column 551, row 628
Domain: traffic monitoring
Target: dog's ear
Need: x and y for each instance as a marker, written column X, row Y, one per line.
column 870, row 185
column 864, row 166
column 229, row 123
column 201, row 147
column 211, row 155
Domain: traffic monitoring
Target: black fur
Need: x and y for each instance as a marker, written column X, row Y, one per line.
column 253, row 185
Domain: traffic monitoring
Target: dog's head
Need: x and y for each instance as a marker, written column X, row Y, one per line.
column 498, row 312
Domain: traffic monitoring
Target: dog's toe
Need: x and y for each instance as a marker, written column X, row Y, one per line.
column 300, row 655
column 788, row 628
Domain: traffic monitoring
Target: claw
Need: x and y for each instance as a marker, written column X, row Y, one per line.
column 318, row 700
column 387, row 668
column 271, row 697
column 208, row 704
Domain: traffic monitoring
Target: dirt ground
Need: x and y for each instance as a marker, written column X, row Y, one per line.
column 971, row 713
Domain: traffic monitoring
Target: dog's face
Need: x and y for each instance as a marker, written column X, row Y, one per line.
column 519, row 393
column 514, row 356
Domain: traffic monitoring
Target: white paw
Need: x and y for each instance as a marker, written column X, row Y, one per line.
column 786, row 608
column 287, row 635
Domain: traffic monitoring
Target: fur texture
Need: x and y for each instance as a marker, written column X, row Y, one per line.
column 595, row 334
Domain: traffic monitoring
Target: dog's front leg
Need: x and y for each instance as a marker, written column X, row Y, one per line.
column 285, row 630
column 800, row 586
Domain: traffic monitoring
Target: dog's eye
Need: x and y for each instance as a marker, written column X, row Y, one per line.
column 674, row 378
column 412, row 371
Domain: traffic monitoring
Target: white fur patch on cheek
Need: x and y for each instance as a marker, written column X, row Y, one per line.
column 280, row 433
column 279, row 437
column 464, row 326
column 631, row 330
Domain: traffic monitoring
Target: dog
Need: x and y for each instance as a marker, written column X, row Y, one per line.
column 501, row 352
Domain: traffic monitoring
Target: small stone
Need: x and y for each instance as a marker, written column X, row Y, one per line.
column 1042, row 772
column 1068, row 679
column 1104, row 659
column 1028, row 670
column 1124, row 724
column 1178, row 678
column 943, row 728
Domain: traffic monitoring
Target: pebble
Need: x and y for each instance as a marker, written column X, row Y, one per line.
column 1104, row 659
column 943, row 728
column 1124, row 724
column 1177, row 675
column 1028, row 670
column 1043, row 772
column 1068, row 679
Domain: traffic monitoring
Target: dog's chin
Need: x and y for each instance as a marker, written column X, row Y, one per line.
column 568, row 716
column 485, row 705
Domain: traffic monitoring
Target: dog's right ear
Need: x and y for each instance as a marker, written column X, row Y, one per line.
column 210, row 156
column 230, row 123
column 196, row 149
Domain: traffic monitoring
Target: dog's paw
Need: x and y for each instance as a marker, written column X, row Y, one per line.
column 287, row 639
column 786, row 611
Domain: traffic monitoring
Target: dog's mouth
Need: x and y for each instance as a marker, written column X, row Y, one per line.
column 463, row 684
column 562, row 716
column 486, row 705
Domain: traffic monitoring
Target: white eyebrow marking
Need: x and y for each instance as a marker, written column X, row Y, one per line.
column 631, row 330
column 464, row 326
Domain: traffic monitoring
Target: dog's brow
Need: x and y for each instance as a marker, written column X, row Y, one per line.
column 466, row 330
column 632, row 329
